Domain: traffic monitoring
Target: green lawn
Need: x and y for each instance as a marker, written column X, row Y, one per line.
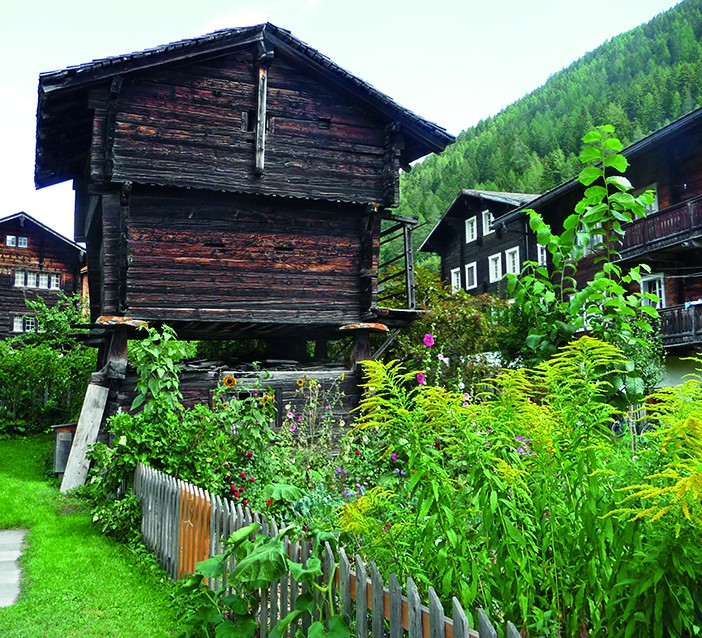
column 76, row 582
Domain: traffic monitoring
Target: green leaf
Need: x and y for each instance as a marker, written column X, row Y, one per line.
column 240, row 629
column 242, row 534
column 264, row 563
column 306, row 574
column 592, row 136
column 613, row 144
column 211, row 568
column 617, row 162
column 590, row 154
column 305, row 602
column 589, row 175
column 622, row 183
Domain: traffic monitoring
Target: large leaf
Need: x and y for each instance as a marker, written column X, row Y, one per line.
column 265, row 563
column 211, row 568
column 242, row 534
column 306, row 574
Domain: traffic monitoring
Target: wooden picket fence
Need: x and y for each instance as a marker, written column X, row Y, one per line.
column 183, row 525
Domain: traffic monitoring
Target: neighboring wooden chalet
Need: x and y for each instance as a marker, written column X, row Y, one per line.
column 34, row 261
column 232, row 186
column 475, row 254
column 668, row 239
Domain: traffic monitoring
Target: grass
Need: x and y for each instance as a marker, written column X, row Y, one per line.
column 75, row 581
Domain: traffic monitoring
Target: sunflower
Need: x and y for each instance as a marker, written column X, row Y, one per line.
column 229, row 381
column 300, row 382
column 266, row 398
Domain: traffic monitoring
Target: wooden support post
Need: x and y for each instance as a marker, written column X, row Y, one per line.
column 86, row 435
column 93, row 409
column 361, row 348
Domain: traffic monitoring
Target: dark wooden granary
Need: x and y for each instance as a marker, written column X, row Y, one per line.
column 232, row 186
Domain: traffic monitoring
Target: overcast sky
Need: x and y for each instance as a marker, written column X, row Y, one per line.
column 453, row 62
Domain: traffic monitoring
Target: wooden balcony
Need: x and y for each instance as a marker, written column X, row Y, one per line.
column 663, row 229
column 681, row 327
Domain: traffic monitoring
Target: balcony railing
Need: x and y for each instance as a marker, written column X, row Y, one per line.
column 681, row 326
column 663, row 229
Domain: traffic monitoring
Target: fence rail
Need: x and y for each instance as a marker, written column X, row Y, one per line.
column 183, row 524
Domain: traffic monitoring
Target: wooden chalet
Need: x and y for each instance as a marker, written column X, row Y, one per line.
column 668, row 239
column 475, row 254
column 35, row 261
column 232, row 186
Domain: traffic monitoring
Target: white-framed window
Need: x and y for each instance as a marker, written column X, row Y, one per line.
column 31, row 279
column 487, row 222
column 10, row 240
column 23, row 324
column 655, row 285
column 455, row 279
column 541, row 255
column 471, row 275
column 653, row 206
column 512, row 264
column 495, row 267
column 22, row 242
column 471, row 229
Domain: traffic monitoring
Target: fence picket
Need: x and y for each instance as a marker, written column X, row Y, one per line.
column 512, row 631
column 485, row 628
column 361, row 599
column 461, row 626
column 437, row 620
column 395, row 591
column 345, row 584
column 378, row 603
column 414, row 611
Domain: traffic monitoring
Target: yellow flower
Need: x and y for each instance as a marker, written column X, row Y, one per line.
column 229, row 381
column 300, row 382
column 266, row 398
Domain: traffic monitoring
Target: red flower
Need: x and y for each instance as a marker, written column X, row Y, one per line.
column 252, row 479
column 241, row 489
column 232, row 488
column 236, row 494
column 358, row 452
column 245, row 502
column 249, row 454
column 268, row 502
column 242, row 474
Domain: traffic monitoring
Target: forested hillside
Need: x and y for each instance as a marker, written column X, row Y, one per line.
column 638, row 81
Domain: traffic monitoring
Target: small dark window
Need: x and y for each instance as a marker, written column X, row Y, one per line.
column 248, row 121
column 323, row 122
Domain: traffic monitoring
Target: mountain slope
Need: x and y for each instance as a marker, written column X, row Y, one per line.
column 638, row 81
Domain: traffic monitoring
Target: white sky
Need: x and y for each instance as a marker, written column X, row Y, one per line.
column 453, row 62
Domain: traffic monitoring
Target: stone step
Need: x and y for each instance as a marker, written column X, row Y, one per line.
column 10, row 549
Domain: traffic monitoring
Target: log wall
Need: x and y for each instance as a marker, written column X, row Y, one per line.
column 194, row 126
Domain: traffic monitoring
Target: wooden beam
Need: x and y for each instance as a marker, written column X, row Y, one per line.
column 86, row 434
column 261, row 118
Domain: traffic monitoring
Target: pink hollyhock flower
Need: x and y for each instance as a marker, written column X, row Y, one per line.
column 428, row 340
column 421, row 378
